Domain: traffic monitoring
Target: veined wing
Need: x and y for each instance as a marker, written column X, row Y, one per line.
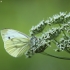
column 15, row 42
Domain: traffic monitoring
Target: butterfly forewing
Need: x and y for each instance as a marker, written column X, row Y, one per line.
column 15, row 42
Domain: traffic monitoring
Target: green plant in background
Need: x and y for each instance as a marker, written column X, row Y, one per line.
column 59, row 26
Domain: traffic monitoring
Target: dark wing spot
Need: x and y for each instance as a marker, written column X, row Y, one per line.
column 8, row 37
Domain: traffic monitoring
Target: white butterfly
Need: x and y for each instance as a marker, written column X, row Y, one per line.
column 15, row 42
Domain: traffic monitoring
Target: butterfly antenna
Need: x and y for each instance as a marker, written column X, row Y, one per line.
column 64, row 58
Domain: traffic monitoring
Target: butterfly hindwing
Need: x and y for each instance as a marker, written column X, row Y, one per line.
column 15, row 42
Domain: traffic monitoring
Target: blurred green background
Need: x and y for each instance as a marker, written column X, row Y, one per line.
column 22, row 15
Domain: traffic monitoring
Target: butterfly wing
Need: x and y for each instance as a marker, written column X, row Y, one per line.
column 15, row 42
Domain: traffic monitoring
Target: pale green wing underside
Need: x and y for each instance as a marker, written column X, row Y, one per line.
column 15, row 42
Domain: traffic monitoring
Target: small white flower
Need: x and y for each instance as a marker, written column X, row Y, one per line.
column 62, row 13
